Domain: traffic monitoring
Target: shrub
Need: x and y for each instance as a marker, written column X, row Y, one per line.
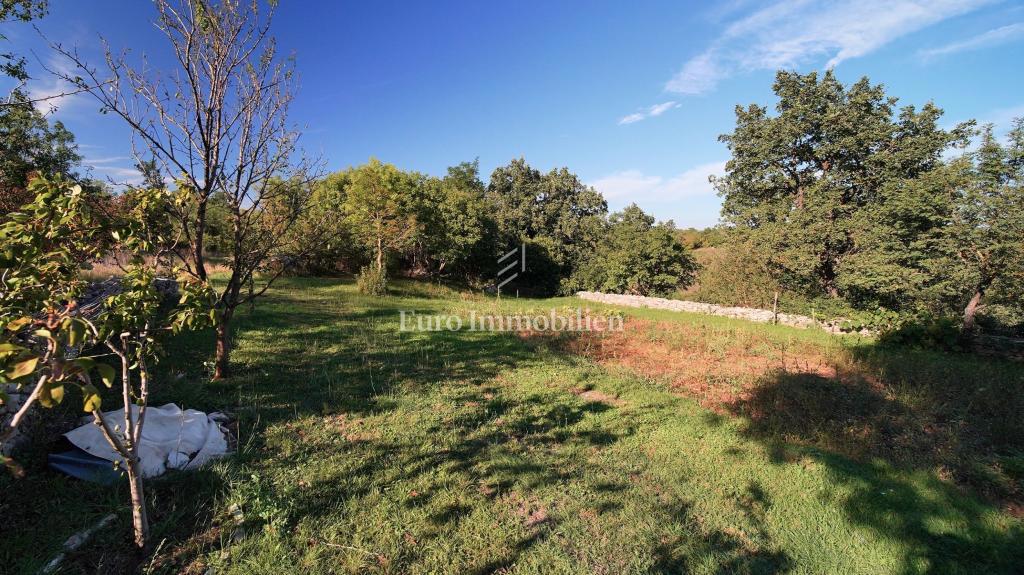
column 922, row 331
column 372, row 281
column 637, row 257
column 734, row 275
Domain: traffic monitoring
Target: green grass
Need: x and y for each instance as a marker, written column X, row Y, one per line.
column 366, row 449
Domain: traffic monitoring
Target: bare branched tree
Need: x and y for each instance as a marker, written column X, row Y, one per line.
column 216, row 123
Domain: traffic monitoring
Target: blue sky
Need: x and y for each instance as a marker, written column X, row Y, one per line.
column 630, row 96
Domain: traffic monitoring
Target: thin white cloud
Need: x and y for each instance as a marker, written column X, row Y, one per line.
column 988, row 39
column 51, row 92
column 790, row 33
column 699, row 75
column 110, row 160
column 113, row 173
column 659, row 109
column 640, row 188
column 649, row 112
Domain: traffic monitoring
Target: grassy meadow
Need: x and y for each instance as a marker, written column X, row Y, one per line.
column 685, row 444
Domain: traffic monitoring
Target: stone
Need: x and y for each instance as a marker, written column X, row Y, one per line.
column 749, row 314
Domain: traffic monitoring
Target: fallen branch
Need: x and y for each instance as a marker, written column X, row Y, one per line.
column 76, row 541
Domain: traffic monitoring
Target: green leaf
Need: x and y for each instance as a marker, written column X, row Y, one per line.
column 51, row 394
column 83, row 363
column 107, row 374
column 22, row 368
column 9, row 348
column 92, row 398
column 76, row 332
column 18, row 323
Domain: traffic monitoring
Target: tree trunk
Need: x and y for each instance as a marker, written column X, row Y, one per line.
column 972, row 309
column 380, row 254
column 197, row 242
column 221, row 368
column 140, row 521
column 828, row 273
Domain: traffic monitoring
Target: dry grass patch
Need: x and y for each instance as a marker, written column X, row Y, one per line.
column 717, row 367
column 959, row 416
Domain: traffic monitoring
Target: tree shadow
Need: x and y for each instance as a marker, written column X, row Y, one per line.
column 870, row 444
column 927, row 447
column 731, row 553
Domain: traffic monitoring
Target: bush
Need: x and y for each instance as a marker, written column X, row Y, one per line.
column 734, row 275
column 923, row 332
column 372, row 281
column 636, row 257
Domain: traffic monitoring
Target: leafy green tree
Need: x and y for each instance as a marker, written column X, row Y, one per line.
column 452, row 212
column 555, row 210
column 321, row 234
column 380, row 209
column 897, row 241
column 152, row 177
column 219, row 234
column 736, row 274
column 987, row 225
column 798, row 181
column 637, row 257
column 30, row 144
column 947, row 241
column 44, row 243
column 694, row 238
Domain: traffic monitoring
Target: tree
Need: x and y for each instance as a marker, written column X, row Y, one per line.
column 43, row 246
column 798, row 181
column 736, row 274
column 218, row 125
column 947, row 241
column 894, row 261
column 321, row 234
column 152, row 179
column 555, row 210
column 638, row 257
column 29, row 144
column 987, row 224
column 452, row 212
column 380, row 208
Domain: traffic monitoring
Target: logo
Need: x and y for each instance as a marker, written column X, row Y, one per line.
column 519, row 263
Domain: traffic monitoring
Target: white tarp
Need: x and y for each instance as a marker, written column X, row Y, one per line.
column 171, row 438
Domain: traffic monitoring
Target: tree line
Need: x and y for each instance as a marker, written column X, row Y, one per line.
column 456, row 227
column 842, row 196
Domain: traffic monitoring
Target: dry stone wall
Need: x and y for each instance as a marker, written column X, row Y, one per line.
column 750, row 314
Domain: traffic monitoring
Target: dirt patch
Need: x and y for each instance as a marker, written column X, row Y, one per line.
column 353, row 430
column 595, row 396
column 717, row 373
column 905, row 408
column 528, row 509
